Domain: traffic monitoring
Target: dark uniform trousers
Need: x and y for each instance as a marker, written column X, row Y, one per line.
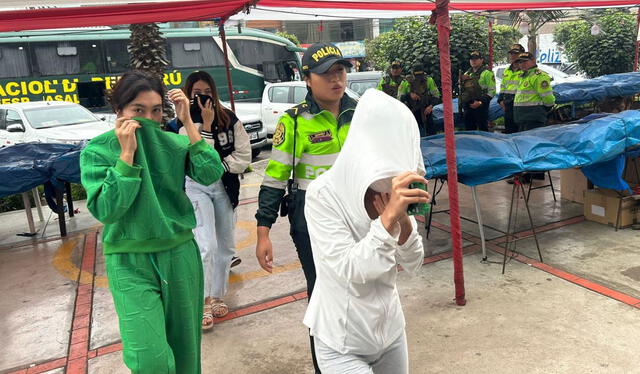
column 300, row 235
column 510, row 126
column 476, row 119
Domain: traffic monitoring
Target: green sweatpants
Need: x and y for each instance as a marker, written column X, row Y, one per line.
column 158, row 298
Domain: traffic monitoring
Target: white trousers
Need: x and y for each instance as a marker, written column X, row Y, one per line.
column 393, row 360
column 214, row 233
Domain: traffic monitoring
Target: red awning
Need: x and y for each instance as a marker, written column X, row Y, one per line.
column 467, row 5
column 119, row 14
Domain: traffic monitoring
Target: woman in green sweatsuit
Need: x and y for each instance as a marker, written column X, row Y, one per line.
column 133, row 177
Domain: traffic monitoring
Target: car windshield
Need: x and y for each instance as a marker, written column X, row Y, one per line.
column 55, row 116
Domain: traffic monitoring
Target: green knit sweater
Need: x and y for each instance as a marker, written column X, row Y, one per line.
column 144, row 207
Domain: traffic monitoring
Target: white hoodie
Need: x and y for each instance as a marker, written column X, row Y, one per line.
column 355, row 307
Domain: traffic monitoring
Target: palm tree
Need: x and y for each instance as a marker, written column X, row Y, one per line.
column 535, row 20
column 148, row 52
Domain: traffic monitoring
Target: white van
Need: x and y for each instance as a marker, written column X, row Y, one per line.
column 48, row 122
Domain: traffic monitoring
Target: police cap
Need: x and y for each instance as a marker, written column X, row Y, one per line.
column 319, row 57
column 516, row 49
column 525, row 56
column 475, row 55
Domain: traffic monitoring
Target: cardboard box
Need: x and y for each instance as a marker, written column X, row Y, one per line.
column 632, row 171
column 601, row 205
column 573, row 184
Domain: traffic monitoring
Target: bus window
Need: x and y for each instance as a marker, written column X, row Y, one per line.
column 14, row 62
column 66, row 58
column 253, row 53
column 117, row 56
column 195, row 53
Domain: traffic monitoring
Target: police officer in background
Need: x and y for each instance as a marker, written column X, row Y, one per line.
column 420, row 93
column 478, row 87
column 510, row 81
column 390, row 83
column 534, row 98
column 306, row 143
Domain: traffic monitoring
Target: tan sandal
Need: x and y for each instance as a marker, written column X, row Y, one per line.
column 218, row 308
column 207, row 317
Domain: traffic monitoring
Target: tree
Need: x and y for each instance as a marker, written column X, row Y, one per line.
column 414, row 40
column 291, row 37
column 148, row 52
column 609, row 52
column 535, row 20
column 503, row 38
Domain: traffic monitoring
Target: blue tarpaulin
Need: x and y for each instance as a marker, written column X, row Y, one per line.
column 27, row 165
column 484, row 157
column 612, row 85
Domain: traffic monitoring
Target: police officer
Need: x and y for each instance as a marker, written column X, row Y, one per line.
column 534, row 97
column 390, row 83
column 533, row 100
column 510, row 81
column 420, row 93
column 306, row 142
column 478, row 87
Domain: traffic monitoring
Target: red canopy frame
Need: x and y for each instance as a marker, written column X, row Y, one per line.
column 31, row 19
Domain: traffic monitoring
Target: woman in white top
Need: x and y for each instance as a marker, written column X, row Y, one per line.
column 360, row 232
column 214, row 204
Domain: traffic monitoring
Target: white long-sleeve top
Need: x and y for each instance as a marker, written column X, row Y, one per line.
column 355, row 307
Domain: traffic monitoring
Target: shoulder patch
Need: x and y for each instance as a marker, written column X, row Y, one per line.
column 297, row 110
column 278, row 135
column 545, row 84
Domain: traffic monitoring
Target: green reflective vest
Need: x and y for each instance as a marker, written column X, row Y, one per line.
column 510, row 81
column 318, row 141
column 534, row 98
column 390, row 85
column 419, row 86
column 478, row 85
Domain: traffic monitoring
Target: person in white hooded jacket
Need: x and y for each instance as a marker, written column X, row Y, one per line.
column 360, row 231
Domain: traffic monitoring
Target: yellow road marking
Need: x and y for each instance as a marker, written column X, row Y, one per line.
column 252, row 237
column 63, row 262
column 64, row 265
column 233, row 278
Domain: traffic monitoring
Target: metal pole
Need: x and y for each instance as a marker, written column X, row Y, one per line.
column 490, row 44
column 480, row 225
column 36, row 198
column 223, row 36
column 444, row 31
column 27, row 210
column 635, row 61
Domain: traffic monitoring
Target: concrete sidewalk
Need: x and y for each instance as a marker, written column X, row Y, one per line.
column 578, row 312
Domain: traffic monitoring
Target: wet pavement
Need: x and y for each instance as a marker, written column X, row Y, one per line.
column 578, row 312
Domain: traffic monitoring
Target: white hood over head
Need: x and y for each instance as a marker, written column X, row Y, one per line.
column 383, row 142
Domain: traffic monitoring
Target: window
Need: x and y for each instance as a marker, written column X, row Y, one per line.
column 65, row 58
column 13, row 118
column 253, row 53
column 117, row 56
column 13, row 61
column 279, row 94
column 299, row 94
column 54, row 116
column 195, row 53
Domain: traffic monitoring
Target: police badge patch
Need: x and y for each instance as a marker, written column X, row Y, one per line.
column 278, row 135
column 545, row 84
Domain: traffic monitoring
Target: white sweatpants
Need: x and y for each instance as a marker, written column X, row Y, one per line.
column 214, row 233
column 393, row 360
